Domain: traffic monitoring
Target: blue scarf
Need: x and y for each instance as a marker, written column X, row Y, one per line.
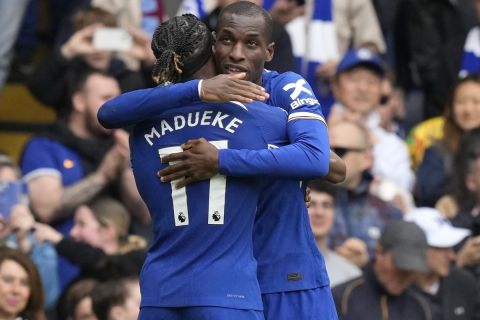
column 471, row 53
column 314, row 42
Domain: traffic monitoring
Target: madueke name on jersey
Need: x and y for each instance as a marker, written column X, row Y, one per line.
column 193, row 119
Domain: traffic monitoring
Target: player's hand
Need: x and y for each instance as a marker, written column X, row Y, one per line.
column 231, row 87
column 198, row 161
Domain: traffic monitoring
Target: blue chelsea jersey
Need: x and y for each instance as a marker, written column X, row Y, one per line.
column 202, row 253
column 284, row 245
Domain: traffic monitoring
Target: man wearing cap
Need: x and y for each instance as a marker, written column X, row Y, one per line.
column 383, row 292
column 452, row 292
column 357, row 87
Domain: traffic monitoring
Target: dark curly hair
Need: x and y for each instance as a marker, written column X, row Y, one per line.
column 182, row 45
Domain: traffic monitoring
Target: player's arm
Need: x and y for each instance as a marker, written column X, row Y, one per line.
column 136, row 106
column 307, row 156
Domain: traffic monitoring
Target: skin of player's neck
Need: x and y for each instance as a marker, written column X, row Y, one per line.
column 206, row 71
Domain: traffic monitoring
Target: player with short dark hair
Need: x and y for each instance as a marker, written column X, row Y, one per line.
column 201, row 263
column 298, row 268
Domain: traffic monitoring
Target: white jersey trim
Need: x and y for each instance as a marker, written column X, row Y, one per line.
column 41, row 172
column 306, row 115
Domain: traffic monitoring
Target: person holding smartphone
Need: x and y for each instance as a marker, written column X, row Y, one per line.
column 16, row 222
column 81, row 51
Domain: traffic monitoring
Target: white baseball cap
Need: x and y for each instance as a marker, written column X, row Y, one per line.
column 439, row 231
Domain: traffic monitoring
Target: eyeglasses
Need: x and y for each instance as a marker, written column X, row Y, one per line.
column 341, row 151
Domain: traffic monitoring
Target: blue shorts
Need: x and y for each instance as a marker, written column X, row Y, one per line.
column 313, row 304
column 198, row 313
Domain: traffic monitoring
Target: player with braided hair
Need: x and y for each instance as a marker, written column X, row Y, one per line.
column 201, row 263
column 177, row 53
column 295, row 276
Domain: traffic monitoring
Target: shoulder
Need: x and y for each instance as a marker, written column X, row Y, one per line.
column 41, row 146
column 461, row 278
column 422, row 303
column 349, row 292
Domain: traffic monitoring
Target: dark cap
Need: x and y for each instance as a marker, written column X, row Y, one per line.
column 361, row 57
column 407, row 243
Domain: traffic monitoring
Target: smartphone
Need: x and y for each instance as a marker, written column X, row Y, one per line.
column 10, row 195
column 112, row 39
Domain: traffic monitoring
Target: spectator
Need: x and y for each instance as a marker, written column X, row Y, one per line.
column 283, row 59
column 461, row 115
column 451, row 292
column 117, row 299
column 466, row 201
column 77, row 302
column 359, row 213
column 17, row 233
column 21, row 295
column 422, row 136
column 383, row 290
column 321, row 211
column 100, row 243
column 392, row 107
column 49, row 81
column 357, row 88
column 79, row 160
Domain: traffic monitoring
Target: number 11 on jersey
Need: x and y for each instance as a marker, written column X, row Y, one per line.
column 216, row 195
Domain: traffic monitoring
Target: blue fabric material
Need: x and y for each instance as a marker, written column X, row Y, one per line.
column 314, row 304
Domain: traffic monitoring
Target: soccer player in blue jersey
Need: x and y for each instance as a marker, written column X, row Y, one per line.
column 201, row 264
column 292, row 273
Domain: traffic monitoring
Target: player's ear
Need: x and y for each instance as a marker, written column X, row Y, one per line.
column 270, row 50
column 214, row 34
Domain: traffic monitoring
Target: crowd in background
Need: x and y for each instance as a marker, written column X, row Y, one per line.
column 399, row 84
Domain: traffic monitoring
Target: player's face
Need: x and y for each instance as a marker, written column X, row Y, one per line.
column 466, row 105
column 241, row 46
column 394, row 280
column 321, row 212
column 98, row 90
column 439, row 260
column 86, row 227
column 358, row 89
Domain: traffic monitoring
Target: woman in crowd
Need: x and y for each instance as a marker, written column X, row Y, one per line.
column 21, row 295
column 100, row 244
column 461, row 115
